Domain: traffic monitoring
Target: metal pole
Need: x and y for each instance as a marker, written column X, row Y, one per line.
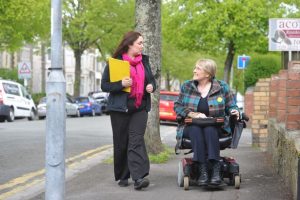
column 55, row 120
column 231, row 76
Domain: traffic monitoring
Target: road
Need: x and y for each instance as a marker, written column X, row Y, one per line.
column 22, row 143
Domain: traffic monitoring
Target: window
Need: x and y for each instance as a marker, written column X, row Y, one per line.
column 25, row 93
column 10, row 88
column 82, row 99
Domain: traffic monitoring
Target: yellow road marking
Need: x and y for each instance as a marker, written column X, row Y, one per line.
column 21, row 183
column 20, row 188
column 21, row 179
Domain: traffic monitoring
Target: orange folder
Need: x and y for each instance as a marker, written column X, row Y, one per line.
column 118, row 69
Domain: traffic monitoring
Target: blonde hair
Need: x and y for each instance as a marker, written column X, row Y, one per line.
column 209, row 66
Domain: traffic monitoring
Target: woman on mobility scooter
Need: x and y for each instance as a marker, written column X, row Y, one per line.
column 205, row 97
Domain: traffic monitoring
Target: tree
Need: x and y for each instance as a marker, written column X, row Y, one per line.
column 221, row 27
column 23, row 21
column 94, row 23
column 148, row 22
column 179, row 64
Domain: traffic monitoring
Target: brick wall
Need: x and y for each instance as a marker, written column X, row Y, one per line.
column 281, row 96
column 248, row 105
column 277, row 97
column 292, row 120
column 284, row 125
column 260, row 113
column 273, row 96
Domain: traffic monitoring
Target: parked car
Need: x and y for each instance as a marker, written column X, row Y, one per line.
column 166, row 105
column 240, row 101
column 88, row 106
column 72, row 109
column 101, row 98
column 15, row 101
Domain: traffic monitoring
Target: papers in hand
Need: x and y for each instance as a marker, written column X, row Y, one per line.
column 118, row 69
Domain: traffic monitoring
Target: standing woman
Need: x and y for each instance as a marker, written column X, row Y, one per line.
column 129, row 112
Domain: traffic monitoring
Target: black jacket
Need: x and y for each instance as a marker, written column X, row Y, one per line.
column 117, row 100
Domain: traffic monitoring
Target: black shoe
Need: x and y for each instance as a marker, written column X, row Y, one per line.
column 203, row 175
column 123, row 183
column 141, row 183
column 215, row 175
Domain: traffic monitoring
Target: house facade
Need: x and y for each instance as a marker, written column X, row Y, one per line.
column 91, row 67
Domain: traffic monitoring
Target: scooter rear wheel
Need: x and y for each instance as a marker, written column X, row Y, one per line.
column 186, row 183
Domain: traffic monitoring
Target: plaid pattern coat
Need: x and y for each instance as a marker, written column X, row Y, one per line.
column 220, row 101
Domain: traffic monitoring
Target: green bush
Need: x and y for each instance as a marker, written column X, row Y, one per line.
column 10, row 74
column 37, row 96
column 261, row 66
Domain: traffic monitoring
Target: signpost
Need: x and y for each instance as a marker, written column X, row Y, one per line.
column 243, row 61
column 24, row 71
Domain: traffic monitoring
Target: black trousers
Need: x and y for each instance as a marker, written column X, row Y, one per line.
column 205, row 142
column 130, row 155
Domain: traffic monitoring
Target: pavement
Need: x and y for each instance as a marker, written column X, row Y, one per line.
column 95, row 180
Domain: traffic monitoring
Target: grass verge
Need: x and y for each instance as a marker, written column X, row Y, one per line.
column 160, row 158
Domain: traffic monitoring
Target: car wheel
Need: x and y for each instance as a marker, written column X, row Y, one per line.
column 11, row 116
column 41, row 117
column 78, row 113
column 100, row 113
column 2, row 119
column 32, row 115
column 93, row 113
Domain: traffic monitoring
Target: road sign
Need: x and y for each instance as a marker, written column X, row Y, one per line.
column 243, row 61
column 24, row 70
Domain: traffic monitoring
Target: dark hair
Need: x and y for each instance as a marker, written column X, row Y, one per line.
column 128, row 39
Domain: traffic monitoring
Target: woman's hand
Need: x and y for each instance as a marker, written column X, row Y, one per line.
column 126, row 82
column 235, row 112
column 196, row 115
column 149, row 88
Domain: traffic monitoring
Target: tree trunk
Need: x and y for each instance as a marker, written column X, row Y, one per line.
column 43, row 63
column 168, row 81
column 229, row 61
column 12, row 60
column 30, row 81
column 148, row 22
column 77, row 81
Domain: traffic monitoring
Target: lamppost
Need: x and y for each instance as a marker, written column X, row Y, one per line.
column 56, row 112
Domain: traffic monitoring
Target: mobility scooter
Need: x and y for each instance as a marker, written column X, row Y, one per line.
column 188, row 172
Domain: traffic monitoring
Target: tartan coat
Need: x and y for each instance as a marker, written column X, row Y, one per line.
column 220, row 101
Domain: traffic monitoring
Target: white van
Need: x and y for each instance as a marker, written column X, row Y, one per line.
column 15, row 101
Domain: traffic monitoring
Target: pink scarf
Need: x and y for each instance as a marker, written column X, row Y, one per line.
column 137, row 75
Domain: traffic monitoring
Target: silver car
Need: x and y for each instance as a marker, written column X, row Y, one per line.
column 71, row 108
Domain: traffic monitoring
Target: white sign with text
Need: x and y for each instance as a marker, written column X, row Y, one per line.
column 284, row 34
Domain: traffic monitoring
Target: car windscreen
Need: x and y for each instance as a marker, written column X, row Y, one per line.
column 82, row 100
column 166, row 97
